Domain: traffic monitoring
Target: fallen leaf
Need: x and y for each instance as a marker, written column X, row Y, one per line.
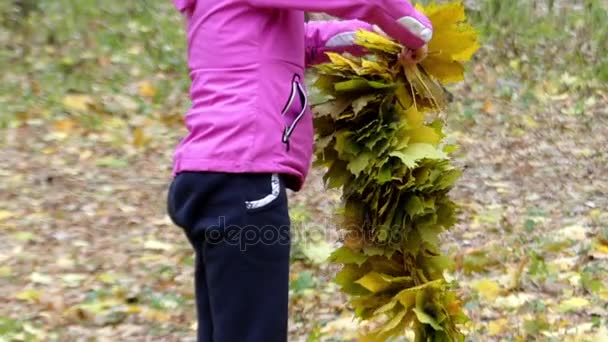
column 600, row 251
column 73, row 279
column 497, row 327
column 575, row 232
column 4, row 214
column 64, row 125
column 535, row 325
column 573, row 304
column 77, row 102
column 488, row 289
column 30, row 295
column 530, row 122
column 147, row 89
column 158, row 245
column 139, row 137
column 488, row 107
column 156, row 315
column 40, row 278
column 513, row 301
column 317, row 252
column 108, row 278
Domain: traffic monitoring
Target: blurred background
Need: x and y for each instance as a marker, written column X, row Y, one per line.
column 91, row 99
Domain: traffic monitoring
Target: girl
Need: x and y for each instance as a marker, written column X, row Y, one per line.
column 251, row 137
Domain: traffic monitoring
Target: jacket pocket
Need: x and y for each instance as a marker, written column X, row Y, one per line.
column 293, row 113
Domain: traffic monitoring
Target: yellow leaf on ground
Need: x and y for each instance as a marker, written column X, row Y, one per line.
column 603, row 249
column 155, row 315
column 139, row 137
column 317, row 252
column 574, row 303
column 158, row 245
column 603, row 294
column 489, row 107
column 497, row 327
column 530, row 122
column 77, row 102
column 133, row 309
column 108, row 278
column 488, row 289
column 147, row 89
column 4, row 214
column 31, row 295
column 594, row 214
column 64, row 125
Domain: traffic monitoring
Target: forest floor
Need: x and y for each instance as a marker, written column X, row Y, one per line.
column 87, row 252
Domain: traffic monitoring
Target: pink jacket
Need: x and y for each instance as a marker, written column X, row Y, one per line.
column 247, row 59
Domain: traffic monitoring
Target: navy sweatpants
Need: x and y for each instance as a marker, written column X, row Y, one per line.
column 238, row 225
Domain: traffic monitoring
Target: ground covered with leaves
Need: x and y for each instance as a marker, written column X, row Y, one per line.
column 90, row 107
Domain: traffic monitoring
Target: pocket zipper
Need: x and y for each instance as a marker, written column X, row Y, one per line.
column 295, row 88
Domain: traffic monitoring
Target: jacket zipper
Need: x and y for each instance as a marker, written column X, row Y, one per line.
column 296, row 88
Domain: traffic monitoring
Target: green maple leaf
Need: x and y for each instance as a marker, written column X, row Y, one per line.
column 416, row 152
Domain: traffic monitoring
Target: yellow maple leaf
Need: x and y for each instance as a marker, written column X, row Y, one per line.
column 424, row 134
column 445, row 70
column 374, row 282
column 377, row 42
column 343, row 61
column 454, row 41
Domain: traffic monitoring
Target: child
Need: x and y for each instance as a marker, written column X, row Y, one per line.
column 251, row 137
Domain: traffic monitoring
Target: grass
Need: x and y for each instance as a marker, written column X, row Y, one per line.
column 50, row 48
column 67, row 46
column 544, row 33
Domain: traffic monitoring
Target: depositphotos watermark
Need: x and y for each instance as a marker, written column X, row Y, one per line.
column 298, row 234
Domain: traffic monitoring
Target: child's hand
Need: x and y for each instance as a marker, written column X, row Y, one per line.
column 411, row 57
